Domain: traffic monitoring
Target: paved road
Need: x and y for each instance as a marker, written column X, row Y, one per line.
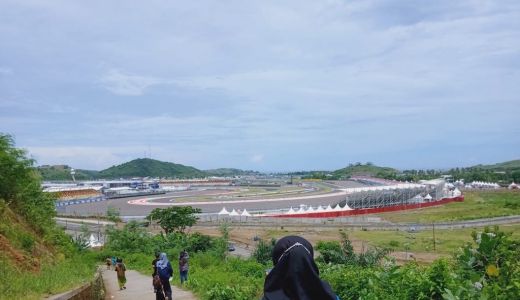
column 138, row 287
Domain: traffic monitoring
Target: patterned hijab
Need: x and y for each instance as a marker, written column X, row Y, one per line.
column 162, row 262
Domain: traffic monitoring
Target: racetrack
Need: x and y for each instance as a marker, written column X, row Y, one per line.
column 211, row 201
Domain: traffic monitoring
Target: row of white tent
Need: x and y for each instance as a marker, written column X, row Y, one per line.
column 302, row 210
column 244, row 213
column 310, row 209
column 482, row 184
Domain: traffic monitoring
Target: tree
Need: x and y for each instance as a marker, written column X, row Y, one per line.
column 20, row 187
column 175, row 218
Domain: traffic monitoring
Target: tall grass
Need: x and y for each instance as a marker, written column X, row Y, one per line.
column 51, row 279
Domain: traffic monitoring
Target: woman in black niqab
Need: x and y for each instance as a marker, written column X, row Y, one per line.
column 295, row 275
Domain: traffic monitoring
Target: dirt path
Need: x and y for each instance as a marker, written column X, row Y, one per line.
column 138, row 287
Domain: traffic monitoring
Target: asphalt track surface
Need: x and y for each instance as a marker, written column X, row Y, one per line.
column 218, row 198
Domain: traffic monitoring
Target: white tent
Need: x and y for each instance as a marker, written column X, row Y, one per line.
column 245, row 213
column 320, row 208
column 301, row 210
column 337, row 208
column 428, row 197
column 328, row 208
column 291, row 211
column 223, row 211
column 233, row 213
column 310, row 209
column 92, row 242
column 456, row 192
column 346, row 207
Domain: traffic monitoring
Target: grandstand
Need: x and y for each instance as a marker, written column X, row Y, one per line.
column 71, row 193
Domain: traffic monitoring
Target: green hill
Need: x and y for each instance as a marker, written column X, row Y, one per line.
column 62, row 172
column 367, row 169
column 146, row 167
column 504, row 166
column 229, row 172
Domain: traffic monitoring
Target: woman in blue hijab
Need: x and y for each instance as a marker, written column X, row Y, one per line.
column 165, row 271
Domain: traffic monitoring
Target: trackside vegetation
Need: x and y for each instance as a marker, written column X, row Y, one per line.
column 486, row 268
column 36, row 257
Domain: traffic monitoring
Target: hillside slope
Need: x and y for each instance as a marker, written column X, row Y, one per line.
column 228, row 172
column 62, row 172
column 36, row 257
column 146, row 167
column 503, row 166
column 364, row 170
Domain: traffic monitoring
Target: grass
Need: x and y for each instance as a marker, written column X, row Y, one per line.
column 476, row 205
column 447, row 241
column 51, row 279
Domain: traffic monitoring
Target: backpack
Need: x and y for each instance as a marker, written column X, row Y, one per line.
column 157, row 285
column 157, row 282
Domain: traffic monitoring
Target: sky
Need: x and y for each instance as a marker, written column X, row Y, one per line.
column 262, row 85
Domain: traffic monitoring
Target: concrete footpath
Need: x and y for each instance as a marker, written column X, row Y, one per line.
column 138, row 287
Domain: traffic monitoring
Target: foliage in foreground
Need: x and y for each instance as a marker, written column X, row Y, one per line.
column 488, row 268
column 51, row 279
column 36, row 257
column 212, row 274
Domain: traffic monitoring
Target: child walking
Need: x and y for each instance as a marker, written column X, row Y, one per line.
column 121, row 277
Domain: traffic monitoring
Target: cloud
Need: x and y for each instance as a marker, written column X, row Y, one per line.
column 312, row 83
column 125, row 84
column 257, row 158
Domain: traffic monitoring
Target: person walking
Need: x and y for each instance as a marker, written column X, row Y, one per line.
column 121, row 277
column 183, row 265
column 165, row 271
column 156, row 280
column 108, row 262
column 295, row 274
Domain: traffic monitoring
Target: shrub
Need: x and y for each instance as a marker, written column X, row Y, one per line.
column 263, row 251
column 393, row 244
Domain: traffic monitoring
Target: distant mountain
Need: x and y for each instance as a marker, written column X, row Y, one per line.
column 367, row 169
column 146, row 167
column 62, row 172
column 504, row 166
column 230, row 172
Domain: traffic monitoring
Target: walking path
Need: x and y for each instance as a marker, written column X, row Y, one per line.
column 138, row 287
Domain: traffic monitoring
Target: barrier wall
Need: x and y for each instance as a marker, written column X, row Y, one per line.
column 79, row 201
column 363, row 211
column 94, row 290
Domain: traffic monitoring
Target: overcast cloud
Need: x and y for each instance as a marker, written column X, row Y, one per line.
column 264, row 85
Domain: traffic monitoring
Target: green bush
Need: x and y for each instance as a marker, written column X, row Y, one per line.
column 393, row 244
column 27, row 242
column 263, row 251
